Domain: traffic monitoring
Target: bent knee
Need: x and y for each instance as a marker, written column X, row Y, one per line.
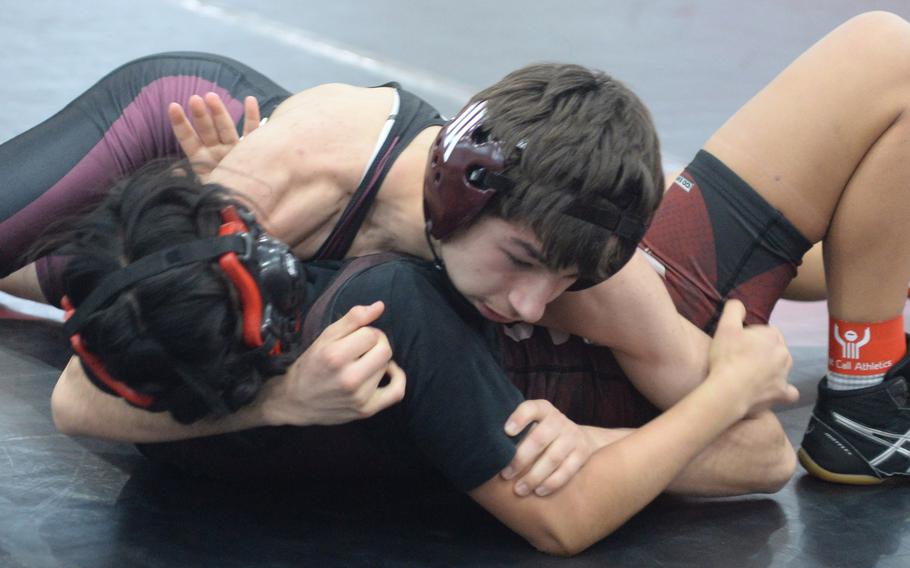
column 881, row 39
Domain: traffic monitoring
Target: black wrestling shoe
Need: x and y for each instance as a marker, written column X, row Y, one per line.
column 860, row 437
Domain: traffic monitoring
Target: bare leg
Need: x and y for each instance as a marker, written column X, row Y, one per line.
column 809, row 284
column 827, row 143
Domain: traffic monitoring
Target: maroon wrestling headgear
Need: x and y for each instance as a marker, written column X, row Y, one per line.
column 465, row 169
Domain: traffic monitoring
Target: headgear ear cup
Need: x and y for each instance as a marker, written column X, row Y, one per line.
column 459, row 165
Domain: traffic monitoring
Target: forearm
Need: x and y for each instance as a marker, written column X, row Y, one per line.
column 671, row 370
column 619, row 479
column 752, row 456
column 80, row 409
column 664, row 355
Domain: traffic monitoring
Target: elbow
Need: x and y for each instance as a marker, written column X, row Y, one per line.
column 560, row 536
column 63, row 412
column 555, row 544
column 63, row 421
column 556, row 547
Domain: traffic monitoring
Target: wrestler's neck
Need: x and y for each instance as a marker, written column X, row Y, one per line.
column 397, row 220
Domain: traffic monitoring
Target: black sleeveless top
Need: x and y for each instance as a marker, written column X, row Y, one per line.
column 410, row 117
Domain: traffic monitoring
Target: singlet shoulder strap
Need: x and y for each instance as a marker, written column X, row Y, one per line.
column 316, row 316
column 410, row 116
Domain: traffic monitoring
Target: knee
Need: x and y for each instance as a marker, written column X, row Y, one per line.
column 882, row 36
column 875, row 20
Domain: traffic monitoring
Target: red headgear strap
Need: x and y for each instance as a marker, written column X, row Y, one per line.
column 96, row 366
column 250, row 298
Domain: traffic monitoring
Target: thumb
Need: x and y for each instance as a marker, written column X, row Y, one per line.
column 731, row 320
column 354, row 319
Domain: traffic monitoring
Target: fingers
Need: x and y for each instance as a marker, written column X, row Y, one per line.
column 388, row 395
column 355, row 318
column 374, row 360
column 550, row 455
column 351, row 349
column 251, row 115
column 223, row 124
column 363, row 358
column 538, row 439
column 183, row 130
column 203, row 121
column 526, row 412
column 551, row 471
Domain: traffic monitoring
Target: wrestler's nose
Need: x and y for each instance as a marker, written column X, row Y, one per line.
column 530, row 296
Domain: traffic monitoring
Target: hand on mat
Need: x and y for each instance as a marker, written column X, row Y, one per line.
column 336, row 380
column 551, row 453
column 212, row 133
column 751, row 362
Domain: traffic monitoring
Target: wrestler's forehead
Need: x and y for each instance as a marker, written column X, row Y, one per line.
column 500, row 231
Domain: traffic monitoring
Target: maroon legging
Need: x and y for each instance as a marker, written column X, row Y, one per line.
column 66, row 163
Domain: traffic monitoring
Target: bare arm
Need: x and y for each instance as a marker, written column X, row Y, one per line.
column 749, row 370
column 663, row 354
column 617, row 482
column 81, row 409
column 752, row 456
column 335, row 381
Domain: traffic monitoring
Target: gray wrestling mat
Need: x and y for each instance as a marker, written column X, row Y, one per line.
column 73, row 503
column 68, row 502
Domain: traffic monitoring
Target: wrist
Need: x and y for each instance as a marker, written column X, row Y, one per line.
column 724, row 395
column 266, row 409
column 602, row 437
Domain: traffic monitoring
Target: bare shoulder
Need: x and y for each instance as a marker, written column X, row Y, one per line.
column 338, row 104
column 331, row 126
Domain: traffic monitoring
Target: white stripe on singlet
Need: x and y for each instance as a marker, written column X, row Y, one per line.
column 383, row 134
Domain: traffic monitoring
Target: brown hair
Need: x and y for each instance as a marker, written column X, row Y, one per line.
column 580, row 138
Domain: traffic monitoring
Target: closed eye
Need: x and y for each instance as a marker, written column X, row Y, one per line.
column 517, row 262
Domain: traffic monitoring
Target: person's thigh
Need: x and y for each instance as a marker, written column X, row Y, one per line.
column 65, row 164
column 714, row 238
column 799, row 140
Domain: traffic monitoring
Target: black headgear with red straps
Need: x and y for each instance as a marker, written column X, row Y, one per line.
column 465, row 170
column 270, row 283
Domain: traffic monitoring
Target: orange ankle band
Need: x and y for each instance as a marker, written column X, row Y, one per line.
column 865, row 349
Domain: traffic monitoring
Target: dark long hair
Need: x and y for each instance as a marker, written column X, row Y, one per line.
column 175, row 335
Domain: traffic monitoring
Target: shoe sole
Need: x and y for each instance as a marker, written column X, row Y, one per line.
column 844, row 478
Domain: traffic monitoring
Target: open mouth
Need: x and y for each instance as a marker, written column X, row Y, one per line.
column 493, row 315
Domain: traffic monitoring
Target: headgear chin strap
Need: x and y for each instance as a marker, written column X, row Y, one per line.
column 270, row 281
column 465, row 170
